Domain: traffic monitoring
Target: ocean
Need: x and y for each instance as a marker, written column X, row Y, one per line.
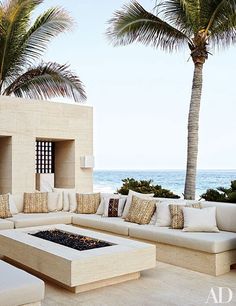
column 110, row 181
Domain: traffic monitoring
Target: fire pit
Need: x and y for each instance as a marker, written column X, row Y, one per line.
column 77, row 242
column 105, row 259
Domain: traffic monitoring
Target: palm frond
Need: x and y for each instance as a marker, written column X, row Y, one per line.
column 46, row 27
column 47, row 81
column 224, row 33
column 222, row 23
column 14, row 22
column 134, row 24
column 220, row 10
column 32, row 44
column 182, row 14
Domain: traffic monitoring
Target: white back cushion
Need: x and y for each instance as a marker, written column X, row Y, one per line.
column 65, row 197
column 53, row 198
column 163, row 212
column 12, row 205
column 19, row 201
column 225, row 215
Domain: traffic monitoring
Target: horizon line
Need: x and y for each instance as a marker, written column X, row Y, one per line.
column 164, row 169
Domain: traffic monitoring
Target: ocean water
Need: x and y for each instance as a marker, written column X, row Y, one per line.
column 110, row 181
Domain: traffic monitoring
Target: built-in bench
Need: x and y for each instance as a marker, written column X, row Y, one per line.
column 18, row 287
column 211, row 253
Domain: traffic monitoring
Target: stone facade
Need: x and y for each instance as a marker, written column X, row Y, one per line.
column 22, row 122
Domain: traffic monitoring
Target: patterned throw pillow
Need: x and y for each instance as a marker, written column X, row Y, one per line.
column 36, row 202
column 177, row 216
column 141, row 210
column 130, row 198
column 4, row 207
column 113, row 207
column 87, row 203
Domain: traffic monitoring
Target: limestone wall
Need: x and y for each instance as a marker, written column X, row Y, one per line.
column 23, row 121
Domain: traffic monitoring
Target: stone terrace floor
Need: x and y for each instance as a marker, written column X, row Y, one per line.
column 166, row 285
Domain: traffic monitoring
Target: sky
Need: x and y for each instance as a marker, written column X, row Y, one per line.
column 141, row 95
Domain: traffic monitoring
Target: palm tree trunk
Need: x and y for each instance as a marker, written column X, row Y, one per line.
column 193, row 125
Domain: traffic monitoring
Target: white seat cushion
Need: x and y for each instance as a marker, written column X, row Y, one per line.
column 206, row 242
column 113, row 225
column 18, row 287
column 28, row 220
column 6, row 224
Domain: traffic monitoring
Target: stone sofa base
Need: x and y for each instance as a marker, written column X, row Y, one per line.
column 203, row 262
column 212, row 264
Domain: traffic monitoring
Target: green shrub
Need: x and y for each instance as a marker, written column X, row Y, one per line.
column 143, row 186
column 221, row 194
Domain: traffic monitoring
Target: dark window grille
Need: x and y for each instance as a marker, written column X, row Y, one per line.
column 44, row 157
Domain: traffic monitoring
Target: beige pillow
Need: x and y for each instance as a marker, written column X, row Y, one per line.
column 129, row 200
column 177, row 216
column 5, row 207
column 141, row 210
column 88, row 203
column 36, row 202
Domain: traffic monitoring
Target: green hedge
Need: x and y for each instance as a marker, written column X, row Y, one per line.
column 143, row 186
column 221, row 194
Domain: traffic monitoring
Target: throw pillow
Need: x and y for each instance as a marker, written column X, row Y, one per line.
column 104, row 197
column 177, row 217
column 4, row 207
column 200, row 220
column 12, row 205
column 141, row 210
column 72, row 201
column 60, row 201
column 65, row 197
column 36, row 202
column 100, row 209
column 87, row 203
column 153, row 219
column 129, row 200
column 66, row 202
column 113, row 207
column 53, row 198
column 154, row 216
column 163, row 212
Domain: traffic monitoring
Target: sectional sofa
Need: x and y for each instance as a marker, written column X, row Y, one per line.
column 210, row 253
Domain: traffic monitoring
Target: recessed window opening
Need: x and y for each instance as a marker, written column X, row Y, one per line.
column 44, row 157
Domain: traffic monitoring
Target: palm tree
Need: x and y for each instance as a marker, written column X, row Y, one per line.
column 172, row 25
column 22, row 44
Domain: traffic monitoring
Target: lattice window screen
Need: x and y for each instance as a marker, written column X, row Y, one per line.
column 44, row 157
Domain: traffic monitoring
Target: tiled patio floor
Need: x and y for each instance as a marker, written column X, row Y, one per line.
column 165, row 285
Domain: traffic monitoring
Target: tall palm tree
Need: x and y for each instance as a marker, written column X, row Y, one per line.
column 22, row 44
column 172, row 25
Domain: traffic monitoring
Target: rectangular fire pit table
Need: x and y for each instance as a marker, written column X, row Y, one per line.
column 76, row 270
